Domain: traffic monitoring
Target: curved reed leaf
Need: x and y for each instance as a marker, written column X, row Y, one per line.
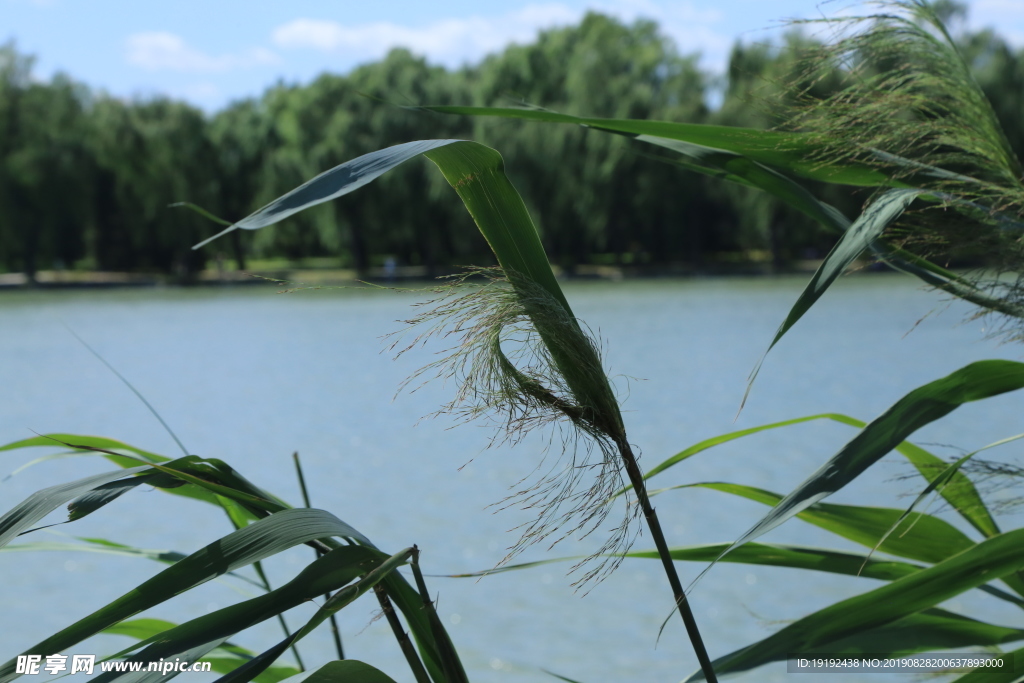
column 145, row 676
column 45, row 501
column 338, row 601
column 51, row 440
column 326, row 574
column 223, row 659
column 927, row 539
column 1010, row 676
column 792, row 152
column 476, row 172
column 920, row 407
column 959, row 492
column 869, row 226
column 257, row 541
column 932, row 629
column 96, row 546
column 991, row 559
column 740, row 433
column 346, row 671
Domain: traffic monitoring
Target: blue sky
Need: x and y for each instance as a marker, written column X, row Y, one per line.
column 212, row 51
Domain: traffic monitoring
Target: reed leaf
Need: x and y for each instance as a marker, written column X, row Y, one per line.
column 326, row 574
column 346, row 671
column 339, row 600
column 960, row 492
column 864, row 231
column 42, row 503
column 563, row 380
column 919, row 407
column 568, row 383
column 223, row 659
column 1010, row 675
column 926, row 538
column 255, row 542
column 791, row 152
column 932, row 629
column 991, row 559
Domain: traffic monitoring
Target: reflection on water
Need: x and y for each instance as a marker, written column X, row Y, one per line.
column 251, row 377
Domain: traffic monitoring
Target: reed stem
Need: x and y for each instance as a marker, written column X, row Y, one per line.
column 636, row 478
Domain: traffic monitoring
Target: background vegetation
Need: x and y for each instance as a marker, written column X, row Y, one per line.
column 117, row 164
column 906, row 117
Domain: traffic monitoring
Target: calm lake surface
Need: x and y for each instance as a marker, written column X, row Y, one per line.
column 250, row 376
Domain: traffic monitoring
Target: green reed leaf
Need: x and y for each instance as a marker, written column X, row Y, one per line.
column 989, row 560
column 918, row 408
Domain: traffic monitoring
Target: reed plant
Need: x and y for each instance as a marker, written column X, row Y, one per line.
column 913, row 128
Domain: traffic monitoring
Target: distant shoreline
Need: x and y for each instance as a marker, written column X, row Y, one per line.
column 52, row 279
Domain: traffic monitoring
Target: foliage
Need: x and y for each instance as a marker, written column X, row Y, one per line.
column 524, row 360
column 117, row 164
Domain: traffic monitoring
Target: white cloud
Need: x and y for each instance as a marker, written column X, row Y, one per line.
column 453, row 41
column 160, row 50
column 449, row 41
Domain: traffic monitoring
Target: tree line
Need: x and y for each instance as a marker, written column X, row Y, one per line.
column 86, row 179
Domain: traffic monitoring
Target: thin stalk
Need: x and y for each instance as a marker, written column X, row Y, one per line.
column 128, row 384
column 453, row 672
column 401, row 636
column 636, row 478
column 615, row 429
column 258, row 566
column 335, row 631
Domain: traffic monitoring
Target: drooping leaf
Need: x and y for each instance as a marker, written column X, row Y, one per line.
column 921, row 406
column 93, row 500
column 927, row 538
column 257, row 541
column 876, row 217
column 1010, row 674
column 989, row 560
column 223, row 659
column 476, row 172
column 324, row 575
column 960, row 492
column 45, row 501
column 338, row 601
column 788, row 151
column 345, row 671
column 932, row 629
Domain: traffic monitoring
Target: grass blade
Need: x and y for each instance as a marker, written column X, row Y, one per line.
column 932, row 539
column 792, row 152
column 476, row 172
column 883, row 211
column 959, row 492
column 223, row 659
column 918, row 408
column 257, row 541
column 45, row 501
column 338, row 601
column 347, row 671
column 991, row 559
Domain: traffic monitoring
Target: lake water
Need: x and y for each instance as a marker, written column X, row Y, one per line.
column 250, row 376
